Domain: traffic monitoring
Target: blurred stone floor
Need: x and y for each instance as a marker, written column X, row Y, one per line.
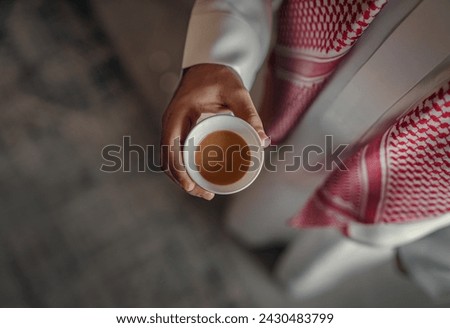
column 69, row 234
column 76, row 76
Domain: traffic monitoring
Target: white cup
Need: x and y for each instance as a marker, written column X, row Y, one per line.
column 234, row 124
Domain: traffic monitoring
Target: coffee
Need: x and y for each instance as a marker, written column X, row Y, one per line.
column 223, row 157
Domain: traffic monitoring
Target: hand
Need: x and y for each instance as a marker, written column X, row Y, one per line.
column 205, row 88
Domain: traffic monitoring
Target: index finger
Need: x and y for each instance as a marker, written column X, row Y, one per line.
column 172, row 144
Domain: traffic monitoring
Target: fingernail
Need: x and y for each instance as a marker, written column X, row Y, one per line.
column 189, row 187
column 208, row 196
column 266, row 142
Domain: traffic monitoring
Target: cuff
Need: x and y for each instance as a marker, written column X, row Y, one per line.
column 221, row 38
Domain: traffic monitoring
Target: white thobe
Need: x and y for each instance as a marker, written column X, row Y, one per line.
column 237, row 33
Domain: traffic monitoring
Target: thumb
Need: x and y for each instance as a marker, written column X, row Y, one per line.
column 245, row 109
column 254, row 120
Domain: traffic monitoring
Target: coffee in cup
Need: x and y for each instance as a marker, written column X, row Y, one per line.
column 223, row 154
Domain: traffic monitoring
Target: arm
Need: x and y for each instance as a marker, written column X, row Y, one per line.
column 234, row 33
column 226, row 45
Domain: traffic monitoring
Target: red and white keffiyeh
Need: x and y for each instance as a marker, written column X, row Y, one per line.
column 313, row 37
column 402, row 175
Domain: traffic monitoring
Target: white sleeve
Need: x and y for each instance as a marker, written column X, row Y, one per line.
column 427, row 262
column 235, row 33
